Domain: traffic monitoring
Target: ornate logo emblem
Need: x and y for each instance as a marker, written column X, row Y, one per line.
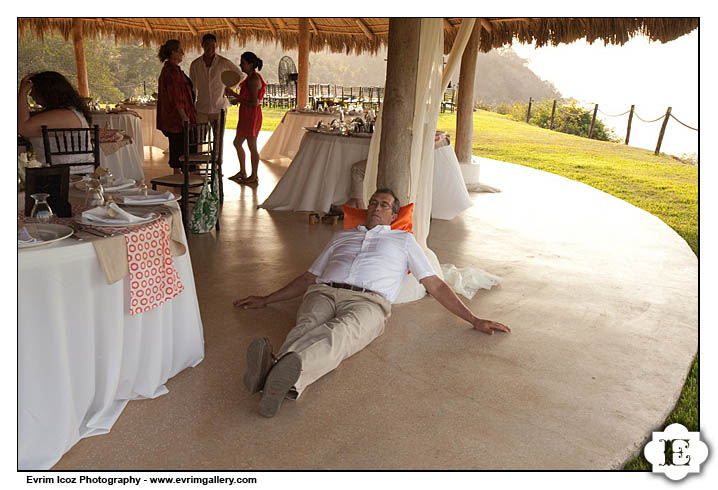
column 676, row 452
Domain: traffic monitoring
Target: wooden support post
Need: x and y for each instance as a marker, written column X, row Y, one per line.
column 528, row 112
column 81, row 66
column 663, row 130
column 553, row 111
column 630, row 118
column 402, row 67
column 465, row 102
column 303, row 63
column 593, row 121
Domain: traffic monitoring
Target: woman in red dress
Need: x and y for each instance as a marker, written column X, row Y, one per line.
column 251, row 93
column 175, row 103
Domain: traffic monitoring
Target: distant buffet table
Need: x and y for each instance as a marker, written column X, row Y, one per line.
column 286, row 138
column 81, row 354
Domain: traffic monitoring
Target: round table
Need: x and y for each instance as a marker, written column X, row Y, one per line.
column 286, row 138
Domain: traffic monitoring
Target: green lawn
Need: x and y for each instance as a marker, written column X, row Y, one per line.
column 661, row 185
column 271, row 116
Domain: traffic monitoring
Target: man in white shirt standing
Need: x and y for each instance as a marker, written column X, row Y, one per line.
column 349, row 289
column 206, row 75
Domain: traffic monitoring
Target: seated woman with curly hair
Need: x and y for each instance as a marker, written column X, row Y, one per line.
column 62, row 107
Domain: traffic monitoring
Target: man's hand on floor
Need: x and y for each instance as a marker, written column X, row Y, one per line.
column 251, row 302
column 488, row 326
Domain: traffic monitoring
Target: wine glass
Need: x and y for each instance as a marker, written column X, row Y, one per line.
column 41, row 210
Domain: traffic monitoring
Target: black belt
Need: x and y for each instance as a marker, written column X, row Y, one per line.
column 341, row 285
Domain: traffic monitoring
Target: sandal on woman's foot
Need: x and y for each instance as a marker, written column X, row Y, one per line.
column 249, row 181
column 239, row 176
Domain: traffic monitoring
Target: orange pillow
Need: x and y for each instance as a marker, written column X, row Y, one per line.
column 354, row 217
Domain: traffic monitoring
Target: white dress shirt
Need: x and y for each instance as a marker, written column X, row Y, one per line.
column 208, row 84
column 376, row 259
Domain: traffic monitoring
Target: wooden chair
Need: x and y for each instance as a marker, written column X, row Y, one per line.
column 220, row 153
column 448, row 101
column 67, row 144
column 201, row 151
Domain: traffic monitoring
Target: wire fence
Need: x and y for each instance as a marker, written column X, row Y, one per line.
column 632, row 112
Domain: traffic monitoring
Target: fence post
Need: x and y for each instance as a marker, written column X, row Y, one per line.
column 553, row 111
column 593, row 121
column 630, row 118
column 663, row 130
column 528, row 112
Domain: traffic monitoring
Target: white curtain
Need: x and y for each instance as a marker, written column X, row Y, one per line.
column 429, row 91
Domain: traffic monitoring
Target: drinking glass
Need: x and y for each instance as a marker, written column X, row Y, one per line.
column 41, row 210
column 94, row 195
column 142, row 188
column 107, row 179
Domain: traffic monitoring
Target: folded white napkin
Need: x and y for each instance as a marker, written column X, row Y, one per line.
column 23, row 237
column 100, row 215
column 119, row 184
column 150, row 198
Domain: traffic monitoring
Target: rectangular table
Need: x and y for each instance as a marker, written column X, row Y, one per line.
column 82, row 356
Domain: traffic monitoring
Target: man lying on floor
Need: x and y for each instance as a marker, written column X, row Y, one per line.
column 349, row 289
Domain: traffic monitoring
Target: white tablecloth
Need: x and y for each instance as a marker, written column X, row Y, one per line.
column 81, row 356
column 449, row 196
column 151, row 136
column 320, row 175
column 124, row 163
column 285, row 139
column 130, row 124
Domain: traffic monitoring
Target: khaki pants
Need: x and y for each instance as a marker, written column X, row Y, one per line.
column 332, row 325
column 207, row 117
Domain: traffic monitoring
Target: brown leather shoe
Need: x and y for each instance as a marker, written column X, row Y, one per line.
column 259, row 363
column 280, row 380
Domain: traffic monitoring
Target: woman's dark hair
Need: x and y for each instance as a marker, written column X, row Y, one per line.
column 56, row 92
column 167, row 48
column 250, row 57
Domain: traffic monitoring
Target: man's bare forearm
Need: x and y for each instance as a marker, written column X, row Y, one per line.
column 295, row 288
column 447, row 298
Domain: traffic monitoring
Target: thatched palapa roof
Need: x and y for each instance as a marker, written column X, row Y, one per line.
column 365, row 34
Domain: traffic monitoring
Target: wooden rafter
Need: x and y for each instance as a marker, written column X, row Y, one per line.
column 525, row 20
column 148, row 26
column 281, row 23
column 314, row 27
column 191, row 28
column 447, row 24
column 231, row 26
column 485, row 24
column 365, row 29
column 271, row 26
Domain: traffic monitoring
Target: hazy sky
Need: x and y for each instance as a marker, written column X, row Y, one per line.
column 651, row 75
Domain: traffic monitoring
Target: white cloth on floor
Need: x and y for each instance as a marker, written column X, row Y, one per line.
column 467, row 280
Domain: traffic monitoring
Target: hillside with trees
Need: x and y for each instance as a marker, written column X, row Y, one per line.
column 119, row 70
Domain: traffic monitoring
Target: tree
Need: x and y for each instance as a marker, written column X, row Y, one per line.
column 55, row 54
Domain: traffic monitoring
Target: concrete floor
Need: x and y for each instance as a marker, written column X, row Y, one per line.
column 602, row 298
